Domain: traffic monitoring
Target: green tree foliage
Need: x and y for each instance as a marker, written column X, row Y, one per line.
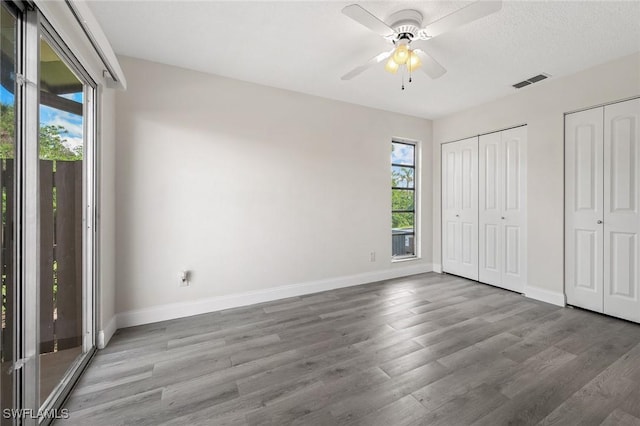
column 402, row 221
column 7, row 131
column 52, row 139
column 402, row 199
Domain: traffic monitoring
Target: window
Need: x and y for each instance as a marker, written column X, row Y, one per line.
column 403, row 199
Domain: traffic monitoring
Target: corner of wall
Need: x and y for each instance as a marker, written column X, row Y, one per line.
column 105, row 335
column 107, row 219
column 547, row 296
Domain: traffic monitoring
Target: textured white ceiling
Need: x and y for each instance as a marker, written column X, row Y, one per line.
column 305, row 46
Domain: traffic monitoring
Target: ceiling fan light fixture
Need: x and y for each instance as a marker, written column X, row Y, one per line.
column 391, row 66
column 414, row 61
column 401, row 54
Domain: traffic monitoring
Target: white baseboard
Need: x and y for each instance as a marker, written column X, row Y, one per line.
column 107, row 332
column 437, row 268
column 196, row 307
column 548, row 296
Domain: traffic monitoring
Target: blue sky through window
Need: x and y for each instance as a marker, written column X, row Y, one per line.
column 72, row 123
column 402, row 154
column 6, row 97
column 51, row 116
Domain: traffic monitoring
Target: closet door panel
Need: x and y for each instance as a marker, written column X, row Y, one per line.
column 514, row 213
column 469, row 208
column 451, row 259
column 584, row 209
column 490, row 202
column 451, row 239
column 460, row 208
column 621, row 209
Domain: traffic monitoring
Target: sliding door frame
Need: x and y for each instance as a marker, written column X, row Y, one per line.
column 28, row 182
column 26, row 352
column 19, row 357
column 89, row 218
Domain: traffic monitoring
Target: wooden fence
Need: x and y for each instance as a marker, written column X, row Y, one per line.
column 6, row 272
column 60, row 252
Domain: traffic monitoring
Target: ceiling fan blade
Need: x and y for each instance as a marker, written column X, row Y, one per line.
column 430, row 66
column 371, row 62
column 364, row 17
column 463, row 16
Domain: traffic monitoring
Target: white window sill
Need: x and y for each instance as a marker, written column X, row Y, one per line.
column 404, row 259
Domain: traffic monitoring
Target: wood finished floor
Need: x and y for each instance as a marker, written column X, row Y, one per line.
column 427, row 350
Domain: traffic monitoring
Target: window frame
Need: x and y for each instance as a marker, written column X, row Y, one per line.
column 416, row 199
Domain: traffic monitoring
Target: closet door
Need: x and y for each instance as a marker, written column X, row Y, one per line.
column 502, row 208
column 621, row 210
column 490, row 205
column 451, row 248
column 460, row 208
column 514, row 208
column 584, row 229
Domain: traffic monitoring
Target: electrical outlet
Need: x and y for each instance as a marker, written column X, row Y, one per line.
column 372, row 256
column 184, row 278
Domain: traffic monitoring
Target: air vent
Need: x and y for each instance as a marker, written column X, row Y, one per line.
column 522, row 84
column 531, row 80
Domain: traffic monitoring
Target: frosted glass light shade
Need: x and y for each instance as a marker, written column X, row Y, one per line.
column 414, row 61
column 401, row 54
column 391, row 66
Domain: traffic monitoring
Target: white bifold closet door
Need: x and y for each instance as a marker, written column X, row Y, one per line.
column 502, row 209
column 602, row 223
column 460, row 208
column 584, row 209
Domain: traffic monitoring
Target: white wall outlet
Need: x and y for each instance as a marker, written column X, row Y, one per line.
column 184, row 278
column 372, row 256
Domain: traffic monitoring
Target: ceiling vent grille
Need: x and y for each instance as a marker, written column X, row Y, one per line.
column 531, row 80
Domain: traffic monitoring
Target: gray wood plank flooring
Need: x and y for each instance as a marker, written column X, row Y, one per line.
column 429, row 349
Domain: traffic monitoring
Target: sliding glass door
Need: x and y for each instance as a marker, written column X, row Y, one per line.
column 62, row 258
column 8, row 105
column 47, row 169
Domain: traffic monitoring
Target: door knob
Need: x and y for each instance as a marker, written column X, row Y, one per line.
column 599, row 222
column 457, row 215
column 502, row 218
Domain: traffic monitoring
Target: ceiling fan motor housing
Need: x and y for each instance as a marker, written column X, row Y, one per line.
column 407, row 23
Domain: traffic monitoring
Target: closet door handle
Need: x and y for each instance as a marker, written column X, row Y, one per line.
column 599, row 222
column 457, row 215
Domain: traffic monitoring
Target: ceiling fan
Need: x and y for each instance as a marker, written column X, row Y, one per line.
column 405, row 27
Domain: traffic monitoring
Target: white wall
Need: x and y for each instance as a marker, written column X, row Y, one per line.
column 107, row 267
column 251, row 188
column 541, row 107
